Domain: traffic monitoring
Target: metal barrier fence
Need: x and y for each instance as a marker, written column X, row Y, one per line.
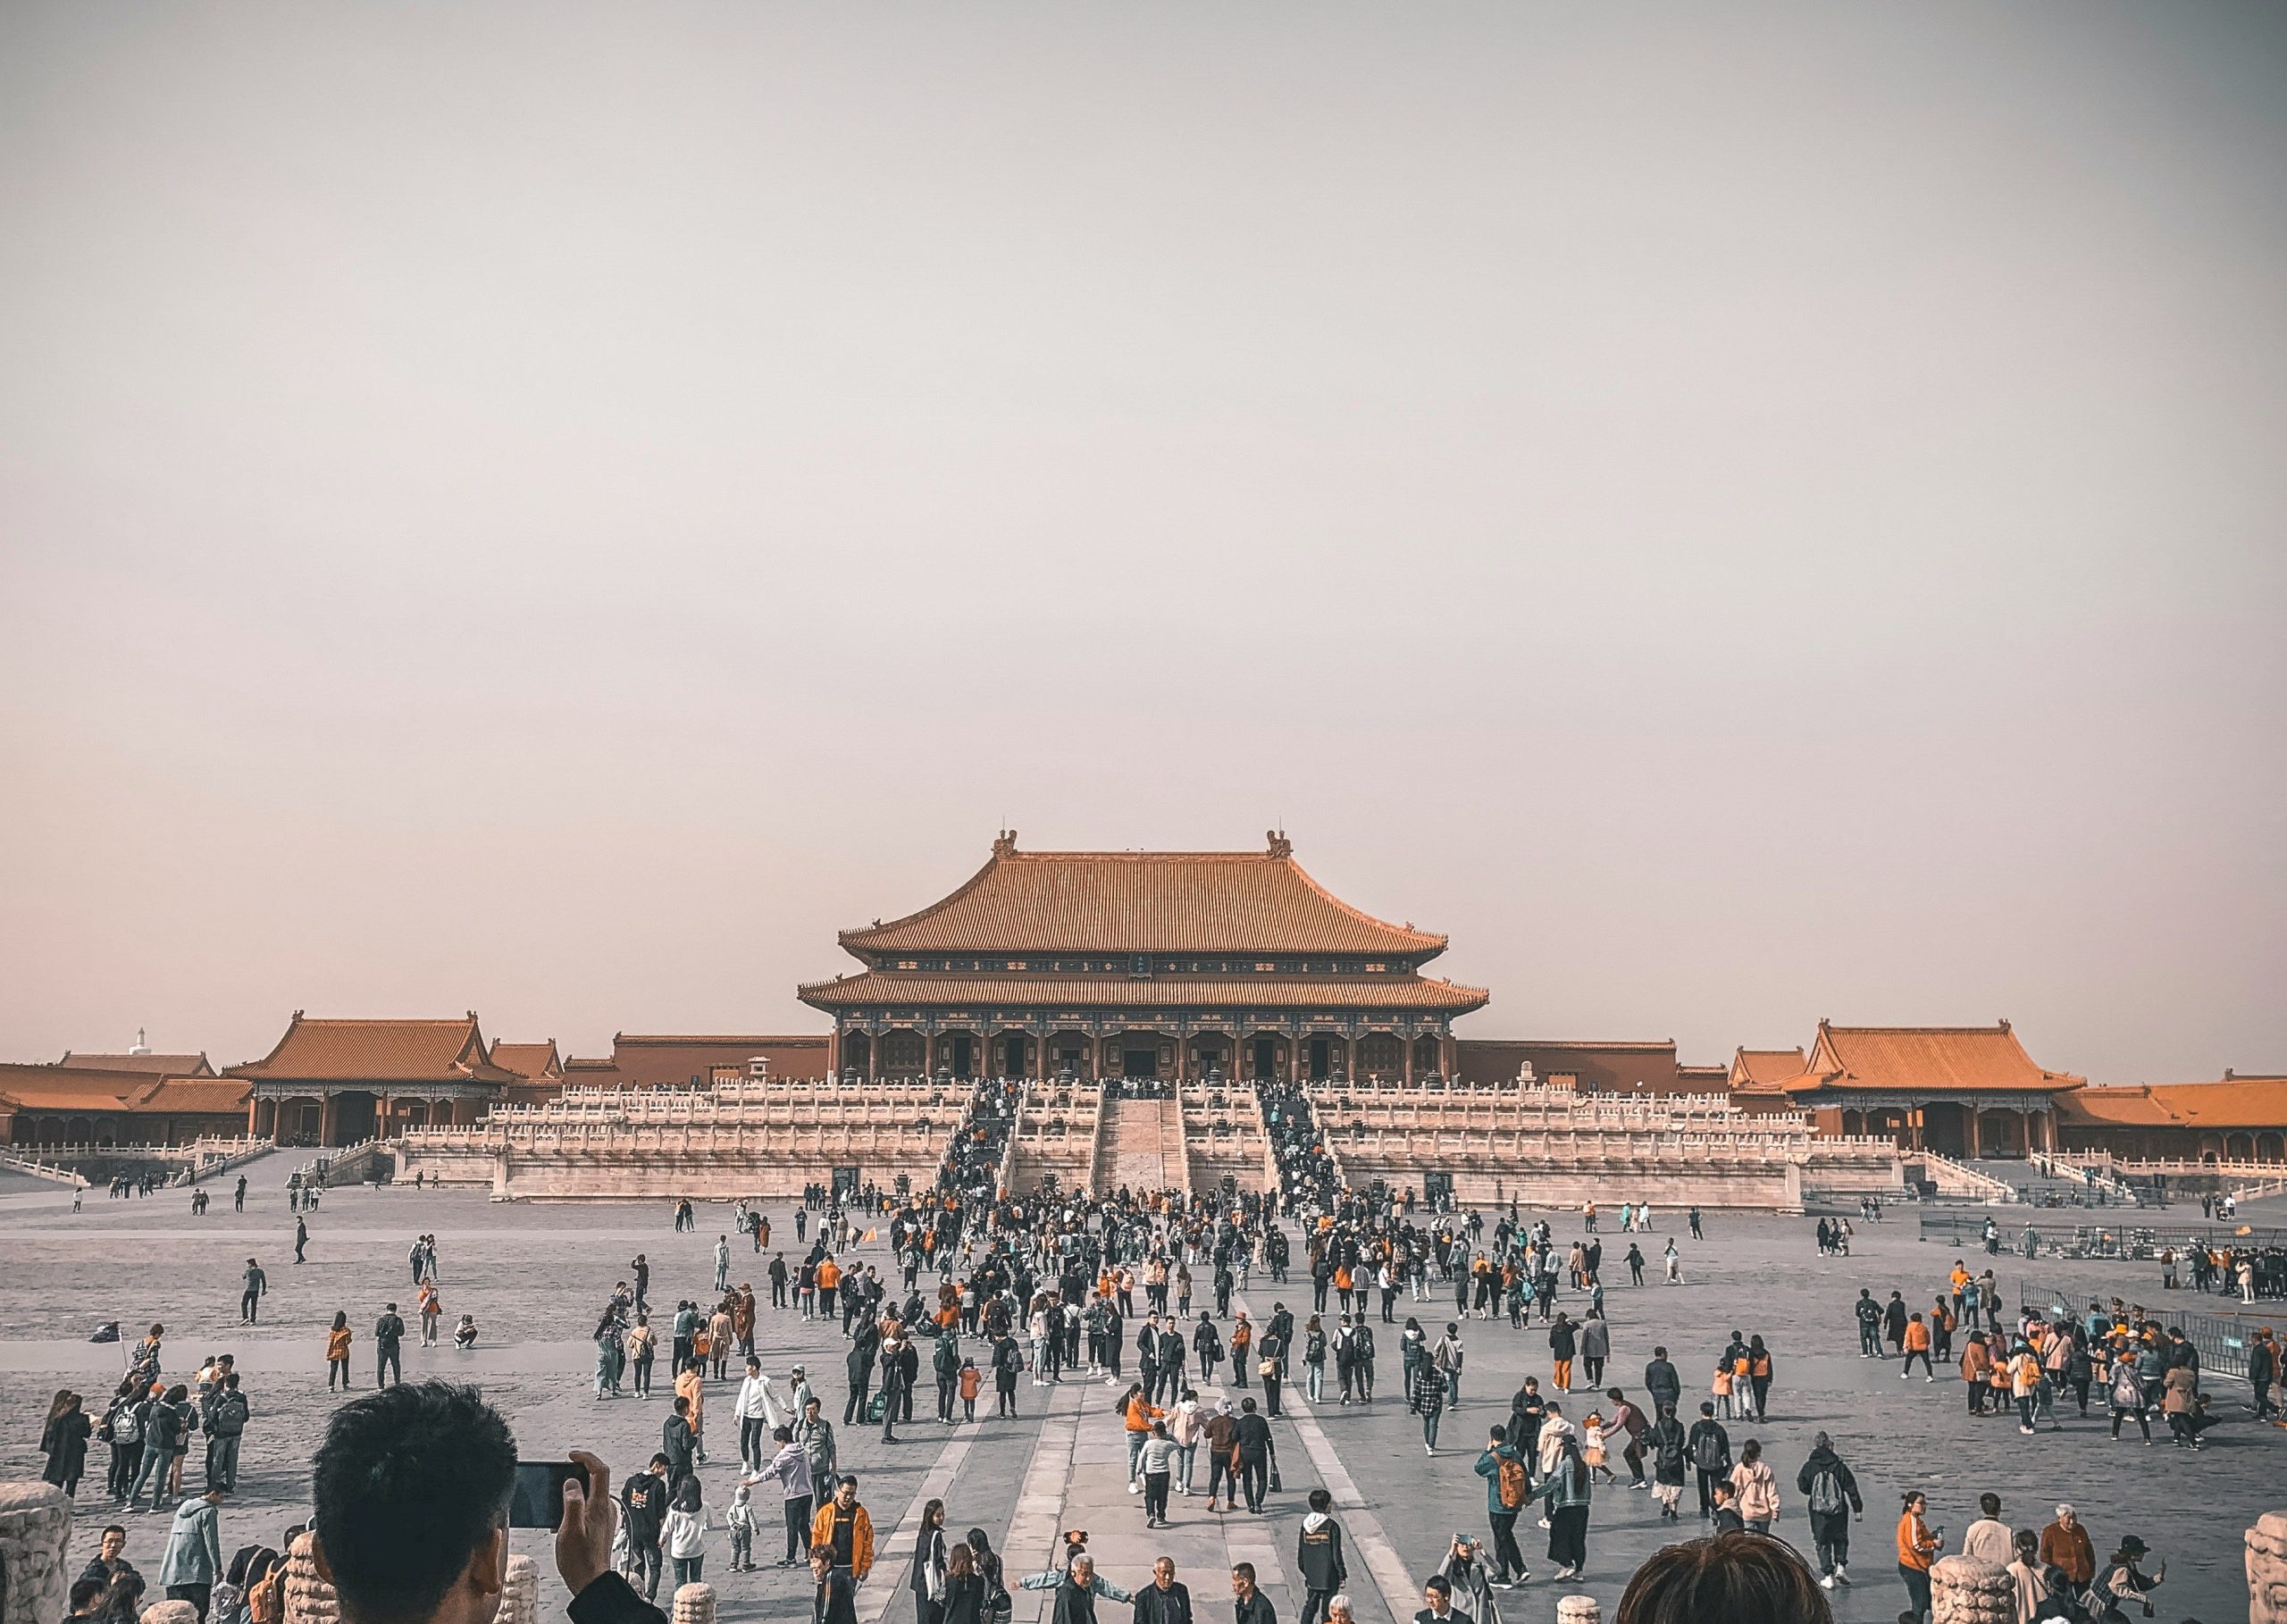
column 2126, row 1240
column 2222, row 1343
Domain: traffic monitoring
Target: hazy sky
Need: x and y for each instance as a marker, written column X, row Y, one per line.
column 1736, row 514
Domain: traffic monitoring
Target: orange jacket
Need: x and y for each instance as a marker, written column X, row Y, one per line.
column 829, row 1274
column 861, row 1535
column 1917, row 1547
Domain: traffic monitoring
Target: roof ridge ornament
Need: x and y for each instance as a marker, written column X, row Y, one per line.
column 1004, row 844
column 1279, row 845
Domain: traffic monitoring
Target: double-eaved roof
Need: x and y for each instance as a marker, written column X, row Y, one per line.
column 1143, row 930
column 1142, row 902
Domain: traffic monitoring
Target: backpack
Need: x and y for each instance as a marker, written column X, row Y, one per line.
column 127, row 1426
column 1511, row 1482
column 1707, row 1454
column 229, row 1417
column 1826, row 1493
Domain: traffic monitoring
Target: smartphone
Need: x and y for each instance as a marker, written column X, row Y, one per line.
column 537, row 1499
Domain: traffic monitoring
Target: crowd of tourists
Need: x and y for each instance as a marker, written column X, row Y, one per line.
column 1191, row 1312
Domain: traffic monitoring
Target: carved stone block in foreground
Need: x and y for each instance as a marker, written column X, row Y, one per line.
column 309, row 1599
column 1966, row 1591
column 2267, row 1569
column 35, row 1528
column 169, row 1612
column 694, row 1604
column 520, row 1596
column 1578, row 1610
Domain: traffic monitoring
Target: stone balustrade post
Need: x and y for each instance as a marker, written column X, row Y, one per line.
column 1578, row 1610
column 1963, row 1590
column 2267, row 1570
column 520, row 1595
column 169, row 1612
column 35, row 1531
column 309, row 1599
column 694, row 1604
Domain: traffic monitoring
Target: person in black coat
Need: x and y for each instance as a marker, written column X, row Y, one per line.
column 1165, row 1600
column 643, row 1513
column 64, row 1442
column 1709, row 1449
column 1831, row 1494
column 678, row 1442
column 1318, row 1557
column 1663, row 1383
column 1256, row 1452
column 966, row 1591
column 859, row 1363
column 931, row 1565
column 835, row 1600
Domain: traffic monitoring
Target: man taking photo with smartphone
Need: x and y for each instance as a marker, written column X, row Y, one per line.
column 412, row 1488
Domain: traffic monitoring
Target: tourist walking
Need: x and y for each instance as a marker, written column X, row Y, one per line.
column 1508, row 1490
column 1566, row 1490
column 685, row 1535
column 1829, row 1492
column 63, row 1440
column 1709, row 1447
column 1756, row 1488
column 1318, row 1557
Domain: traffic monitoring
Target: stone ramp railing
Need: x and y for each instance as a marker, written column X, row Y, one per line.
column 1953, row 1178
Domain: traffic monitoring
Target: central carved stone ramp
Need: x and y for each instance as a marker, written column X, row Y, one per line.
column 1143, row 1146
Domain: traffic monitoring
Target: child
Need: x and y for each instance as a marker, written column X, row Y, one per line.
column 1721, row 1388
column 971, row 1384
column 739, row 1520
column 1592, row 1446
column 465, row 1334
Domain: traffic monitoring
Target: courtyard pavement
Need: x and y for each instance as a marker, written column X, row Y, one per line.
column 534, row 1277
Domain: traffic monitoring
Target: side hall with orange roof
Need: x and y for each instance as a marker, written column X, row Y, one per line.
column 331, row 1082
column 1964, row 1092
column 2239, row 1118
column 76, row 1103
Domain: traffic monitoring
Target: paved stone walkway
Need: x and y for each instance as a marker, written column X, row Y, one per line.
column 534, row 1275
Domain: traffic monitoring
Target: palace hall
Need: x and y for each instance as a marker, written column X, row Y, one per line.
column 1174, row 964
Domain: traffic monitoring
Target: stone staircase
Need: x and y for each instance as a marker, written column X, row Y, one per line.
column 1140, row 1146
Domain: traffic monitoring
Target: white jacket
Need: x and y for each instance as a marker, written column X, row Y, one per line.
column 685, row 1533
column 759, row 1401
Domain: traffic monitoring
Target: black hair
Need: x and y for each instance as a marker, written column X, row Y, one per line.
column 408, row 1482
column 1729, row 1579
column 1320, row 1500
